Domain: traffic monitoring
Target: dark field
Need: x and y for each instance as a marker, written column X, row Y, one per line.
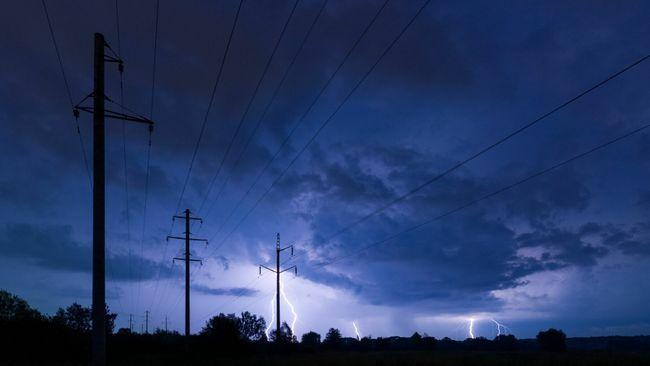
column 413, row 358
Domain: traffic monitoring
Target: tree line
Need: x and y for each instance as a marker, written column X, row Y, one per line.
column 65, row 336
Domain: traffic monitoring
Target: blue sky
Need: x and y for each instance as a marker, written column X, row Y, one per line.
column 568, row 249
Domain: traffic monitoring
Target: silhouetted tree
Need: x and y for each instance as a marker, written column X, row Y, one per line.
column 75, row 317
column 79, row 319
column 428, row 342
column 366, row 343
column 332, row 339
column 382, row 343
column 164, row 333
column 310, row 339
column 416, row 340
column 506, row 342
column 123, row 331
column 552, row 340
column 478, row 343
column 13, row 307
column 110, row 320
column 251, row 327
column 222, row 330
column 286, row 335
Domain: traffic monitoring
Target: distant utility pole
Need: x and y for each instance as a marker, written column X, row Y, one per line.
column 130, row 322
column 99, row 192
column 165, row 323
column 277, row 272
column 187, row 261
column 146, row 321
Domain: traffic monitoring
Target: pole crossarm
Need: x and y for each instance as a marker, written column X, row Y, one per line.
column 191, row 260
column 117, row 115
column 108, row 58
column 294, row 268
column 189, row 218
column 182, row 238
column 267, row 268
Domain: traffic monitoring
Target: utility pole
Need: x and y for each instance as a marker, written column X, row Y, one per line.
column 165, row 323
column 186, row 258
column 146, row 321
column 99, row 192
column 131, row 323
column 99, row 222
column 277, row 272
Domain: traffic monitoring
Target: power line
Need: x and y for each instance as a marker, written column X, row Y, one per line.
column 250, row 103
column 153, row 69
column 67, row 89
column 488, row 148
column 124, row 155
column 198, row 141
column 331, row 116
column 485, row 149
column 207, row 112
column 300, row 120
column 265, row 111
column 490, row 195
column 148, row 164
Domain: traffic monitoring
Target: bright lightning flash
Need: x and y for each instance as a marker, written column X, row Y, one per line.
column 356, row 330
column 268, row 329
column 500, row 327
column 293, row 310
column 471, row 328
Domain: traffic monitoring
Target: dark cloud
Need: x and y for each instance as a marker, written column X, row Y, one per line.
column 54, row 247
column 563, row 246
column 235, row 291
column 463, row 76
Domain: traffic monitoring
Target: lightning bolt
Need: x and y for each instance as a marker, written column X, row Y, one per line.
column 291, row 307
column 268, row 329
column 501, row 329
column 293, row 310
column 471, row 328
column 500, row 326
column 356, row 330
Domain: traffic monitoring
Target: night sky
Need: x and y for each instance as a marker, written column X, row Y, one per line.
column 567, row 249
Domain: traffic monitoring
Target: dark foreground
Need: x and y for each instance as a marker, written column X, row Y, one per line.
column 407, row 358
column 399, row 358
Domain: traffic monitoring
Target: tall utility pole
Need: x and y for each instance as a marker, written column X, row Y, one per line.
column 130, row 322
column 99, row 222
column 165, row 323
column 146, row 321
column 186, row 258
column 277, row 272
column 99, row 192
